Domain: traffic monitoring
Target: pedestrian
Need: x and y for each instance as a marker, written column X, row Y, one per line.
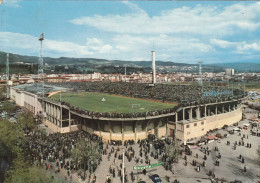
column 144, row 171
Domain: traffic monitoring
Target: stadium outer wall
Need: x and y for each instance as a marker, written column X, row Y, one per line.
column 187, row 122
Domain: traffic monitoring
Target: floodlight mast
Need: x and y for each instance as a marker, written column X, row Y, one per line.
column 40, row 69
column 125, row 73
column 7, row 76
column 153, row 67
column 200, row 74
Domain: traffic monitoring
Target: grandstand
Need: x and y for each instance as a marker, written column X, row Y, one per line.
column 180, row 111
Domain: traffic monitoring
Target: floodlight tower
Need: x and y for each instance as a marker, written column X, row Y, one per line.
column 153, row 67
column 125, row 73
column 7, row 76
column 200, row 80
column 40, row 68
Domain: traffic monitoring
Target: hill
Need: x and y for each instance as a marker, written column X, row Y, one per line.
column 240, row 66
column 29, row 64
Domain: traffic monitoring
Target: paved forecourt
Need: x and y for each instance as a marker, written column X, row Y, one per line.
column 230, row 167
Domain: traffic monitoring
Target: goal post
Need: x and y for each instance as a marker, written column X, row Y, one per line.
column 136, row 106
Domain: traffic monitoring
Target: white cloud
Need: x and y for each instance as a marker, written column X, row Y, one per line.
column 223, row 43
column 12, row 3
column 166, row 47
column 245, row 47
column 19, row 43
column 98, row 46
column 239, row 46
column 205, row 20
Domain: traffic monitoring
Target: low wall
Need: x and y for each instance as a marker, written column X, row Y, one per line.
column 51, row 126
column 162, row 132
column 140, row 135
column 72, row 128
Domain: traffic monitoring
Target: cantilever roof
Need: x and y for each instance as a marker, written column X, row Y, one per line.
column 35, row 89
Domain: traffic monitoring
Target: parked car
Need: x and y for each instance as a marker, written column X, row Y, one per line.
column 155, row 178
column 141, row 181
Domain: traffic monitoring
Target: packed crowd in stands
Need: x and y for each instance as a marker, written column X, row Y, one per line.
column 184, row 95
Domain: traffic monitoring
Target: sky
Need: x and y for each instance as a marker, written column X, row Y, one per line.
column 179, row 31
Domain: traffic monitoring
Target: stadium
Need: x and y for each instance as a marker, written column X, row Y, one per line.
column 118, row 111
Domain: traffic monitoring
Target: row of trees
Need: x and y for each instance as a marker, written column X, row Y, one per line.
column 15, row 166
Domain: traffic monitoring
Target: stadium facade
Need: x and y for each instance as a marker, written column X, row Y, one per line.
column 184, row 122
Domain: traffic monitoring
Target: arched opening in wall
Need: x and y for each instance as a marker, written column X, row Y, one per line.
column 144, row 125
column 172, row 133
column 116, row 127
column 219, row 108
column 211, row 110
column 172, row 118
column 194, row 115
column 140, row 126
column 180, row 115
column 105, row 127
column 186, row 114
column 225, row 106
column 128, row 127
column 87, row 123
column 150, row 126
column 95, row 125
column 202, row 111
column 75, row 120
column 162, row 122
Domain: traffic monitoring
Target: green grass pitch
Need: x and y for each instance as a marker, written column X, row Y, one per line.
column 113, row 103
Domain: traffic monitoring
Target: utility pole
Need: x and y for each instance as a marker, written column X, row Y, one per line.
column 7, row 76
column 153, row 67
column 200, row 80
column 125, row 73
column 123, row 166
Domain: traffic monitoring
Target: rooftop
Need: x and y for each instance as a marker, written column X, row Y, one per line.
column 35, row 88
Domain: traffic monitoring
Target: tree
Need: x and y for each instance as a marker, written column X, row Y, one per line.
column 26, row 121
column 2, row 96
column 86, row 153
column 22, row 172
column 11, row 141
column 173, row 151
column 8, row 107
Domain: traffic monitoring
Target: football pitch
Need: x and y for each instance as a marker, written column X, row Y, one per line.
column 99, row 102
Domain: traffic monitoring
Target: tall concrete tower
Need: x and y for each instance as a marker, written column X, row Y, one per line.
column 40, row 69
column 153, row 67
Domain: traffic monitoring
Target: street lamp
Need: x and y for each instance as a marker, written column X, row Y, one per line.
column 200, row 80
column 123, row 166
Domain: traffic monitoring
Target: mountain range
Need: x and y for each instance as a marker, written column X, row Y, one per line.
column 28, row 64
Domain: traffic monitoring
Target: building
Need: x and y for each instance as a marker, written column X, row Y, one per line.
column 230, row 72
column 184, row 123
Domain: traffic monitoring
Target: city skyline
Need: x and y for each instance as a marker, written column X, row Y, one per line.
column 216, row 32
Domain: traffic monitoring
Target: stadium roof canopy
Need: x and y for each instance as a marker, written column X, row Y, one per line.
column 35, row 88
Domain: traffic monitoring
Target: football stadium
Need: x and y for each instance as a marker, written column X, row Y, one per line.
column 119, row 111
